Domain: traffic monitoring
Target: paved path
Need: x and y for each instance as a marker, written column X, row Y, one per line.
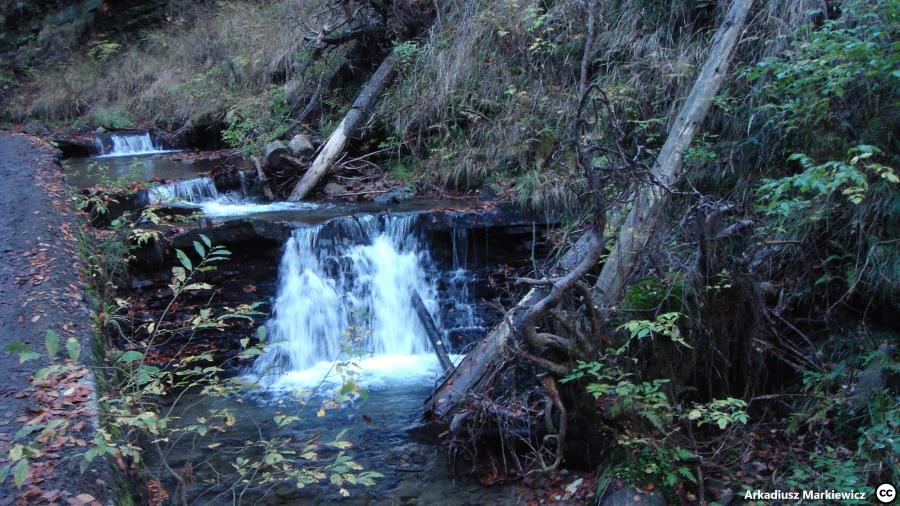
column 40, row 289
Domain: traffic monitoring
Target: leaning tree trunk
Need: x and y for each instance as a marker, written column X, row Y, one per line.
column 337, row 142
column 480, row 365
column 653, row 196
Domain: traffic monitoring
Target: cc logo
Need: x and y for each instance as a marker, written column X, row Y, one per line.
column 885, row 493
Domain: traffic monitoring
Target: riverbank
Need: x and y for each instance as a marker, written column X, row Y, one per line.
column 41, row 291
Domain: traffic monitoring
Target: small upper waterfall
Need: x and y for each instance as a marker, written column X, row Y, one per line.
column 188, row 191
column 127, row 145
column 348, row 282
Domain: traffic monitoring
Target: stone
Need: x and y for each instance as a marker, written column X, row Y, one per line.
column 100, row 130
column 487, row 193
column 75, row 145
column 394, row 195
column 301, row 146
column 334, row 189
column 274, row 152
column 872, row 378
column 630, row 496
column 36, row 128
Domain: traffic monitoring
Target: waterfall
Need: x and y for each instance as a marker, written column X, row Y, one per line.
column 127, row 145
column 464, row 318
column 190, row 191
column 350, row 280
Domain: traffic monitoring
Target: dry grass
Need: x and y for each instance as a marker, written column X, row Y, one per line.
column 491, row 92
column 206, row 60
column 488, row 95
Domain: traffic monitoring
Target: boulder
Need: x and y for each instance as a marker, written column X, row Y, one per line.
column 487, row 192
column 36, row 128
column 275, row 152
column 278, row 155
column 334, row 189
column 75, row 145
column 394, row 195
column 301, row 146
column 629, row 496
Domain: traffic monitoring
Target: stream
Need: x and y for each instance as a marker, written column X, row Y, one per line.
column 341, row 296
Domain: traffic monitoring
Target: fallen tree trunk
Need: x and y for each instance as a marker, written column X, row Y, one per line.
column 337, row 142
column 263, row 180
column 483, row 362
column 431, row 330
column 653, row 196
column 480, row 363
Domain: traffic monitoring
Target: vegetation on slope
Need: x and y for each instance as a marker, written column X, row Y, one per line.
column 783, row 328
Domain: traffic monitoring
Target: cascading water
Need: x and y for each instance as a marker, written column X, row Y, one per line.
column 189, row 191
column 201, row 193
column 350, row 280
column 458, row 283
column 128, row 145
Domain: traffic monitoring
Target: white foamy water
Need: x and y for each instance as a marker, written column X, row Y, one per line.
column 201, row 193
column 233, row 205
column 191, row 191
column 372, row 372
column 129, row 145
column 350, row 280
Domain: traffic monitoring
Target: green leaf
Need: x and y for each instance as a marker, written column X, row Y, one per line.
column 51, row 341
column 17, row 347
column 273, row 458
column 205, row 240
column 183, row 258
column 261, row 332
column 4, row 472
column 199, row 249
column 28, row 355
column 16, row 452
column 73, row 348
column 244, row 342
column 199, row 286
column 683, row 471
column 27, row 430
column 694, row 414
column 43, row 372
column 20, row 472
column 131, row 356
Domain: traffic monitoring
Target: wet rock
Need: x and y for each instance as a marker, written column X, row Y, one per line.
column 334, row 189
column 275, row 152
column 399, row 194
column 36, row 128
column 151, row 254
column 100, row 130
column 629, row 496
column 250, row 231
column 75, row 145
column 301, row 146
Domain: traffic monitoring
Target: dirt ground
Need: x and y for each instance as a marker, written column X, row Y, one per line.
column 41, row 289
